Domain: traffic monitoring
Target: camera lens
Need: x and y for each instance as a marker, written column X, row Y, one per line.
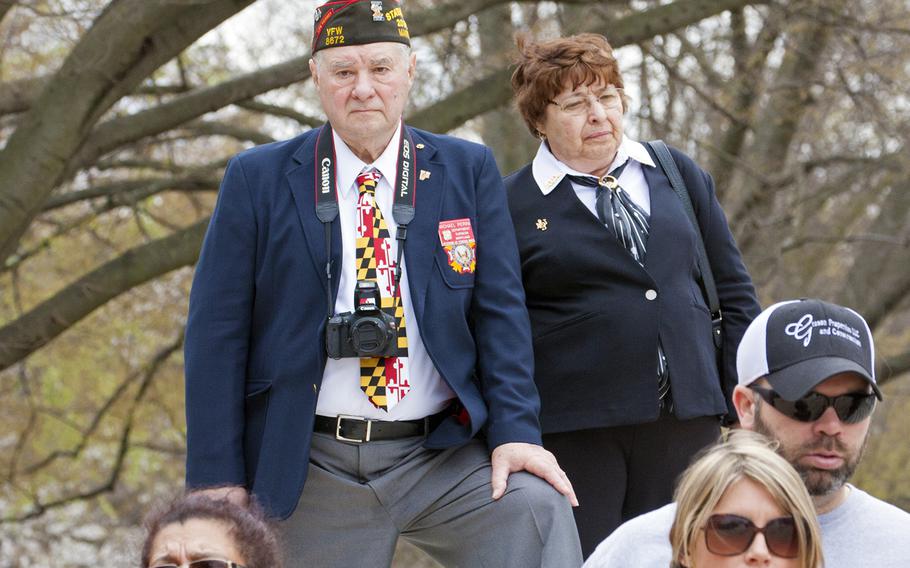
column 369, row 335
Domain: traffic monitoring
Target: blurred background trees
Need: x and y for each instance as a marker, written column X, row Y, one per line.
column 116, row 119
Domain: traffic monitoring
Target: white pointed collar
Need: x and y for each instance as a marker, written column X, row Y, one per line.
column 548, row 171
column 349, row 165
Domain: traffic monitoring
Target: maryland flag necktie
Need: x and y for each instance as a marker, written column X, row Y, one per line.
column 383, row 379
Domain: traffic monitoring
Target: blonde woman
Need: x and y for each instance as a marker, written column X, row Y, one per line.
column 741, row 504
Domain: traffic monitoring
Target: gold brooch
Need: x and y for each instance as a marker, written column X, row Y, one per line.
column 609, row 182
column 542, row 224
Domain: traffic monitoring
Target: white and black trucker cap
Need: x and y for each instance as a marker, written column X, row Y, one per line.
column 799, row 343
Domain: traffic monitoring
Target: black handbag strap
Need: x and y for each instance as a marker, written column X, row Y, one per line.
column 704, row 265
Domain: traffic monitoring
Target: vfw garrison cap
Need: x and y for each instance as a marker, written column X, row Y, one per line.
column 357, row 22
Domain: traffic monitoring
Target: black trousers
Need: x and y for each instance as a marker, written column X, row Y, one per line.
column 621, row 472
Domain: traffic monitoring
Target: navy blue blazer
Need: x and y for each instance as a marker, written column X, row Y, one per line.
column 255, row 347
column 594, row 326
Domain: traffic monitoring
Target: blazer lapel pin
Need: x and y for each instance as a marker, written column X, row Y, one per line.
column 424, row 174
column 542, row 224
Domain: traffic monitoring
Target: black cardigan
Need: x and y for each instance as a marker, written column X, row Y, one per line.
column 595, row 329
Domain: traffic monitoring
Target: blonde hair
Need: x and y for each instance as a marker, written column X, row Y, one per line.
column 749, row 455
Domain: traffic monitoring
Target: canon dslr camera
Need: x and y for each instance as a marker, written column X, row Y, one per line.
column 365, row 332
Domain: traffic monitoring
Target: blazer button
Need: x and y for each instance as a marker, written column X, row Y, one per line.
column 651, row 295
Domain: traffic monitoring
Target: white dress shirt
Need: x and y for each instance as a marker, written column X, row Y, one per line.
column 548, row 172
column 341, row 393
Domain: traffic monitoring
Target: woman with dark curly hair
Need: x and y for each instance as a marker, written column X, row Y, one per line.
column 196, row 531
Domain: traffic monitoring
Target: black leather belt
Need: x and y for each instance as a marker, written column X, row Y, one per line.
column 359, row 430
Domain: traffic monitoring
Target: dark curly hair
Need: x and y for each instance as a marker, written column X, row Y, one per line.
column 248, row 527
column 542, row 69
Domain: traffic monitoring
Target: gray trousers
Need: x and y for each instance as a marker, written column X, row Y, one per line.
column 358, row 499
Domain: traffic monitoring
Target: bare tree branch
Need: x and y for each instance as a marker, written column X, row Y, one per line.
column 671, row 68
column 217, row 128
column 16, row 261
column 22, row 441
column 285, row 112
column 890, row 161
column 39, row 506
column 637, row 27
column 18, row 96
column 41, row 324
column 880, row 292
column 890, row 368
column 23, row 336
column 127, row 192
column 743, row 92
column 712, row 78
column 483, row 95
column 872, row 238
column 160, row 90
column 493, row 90
column 5, row 6
column 776, row 124
column 171, row 114
column 142, row 164
column 129, row 40
column 143, row 375
column 120, row 131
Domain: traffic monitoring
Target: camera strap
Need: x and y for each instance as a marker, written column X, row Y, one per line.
column 403, row 209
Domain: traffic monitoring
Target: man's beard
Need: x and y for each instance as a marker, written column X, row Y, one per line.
column 819, row 482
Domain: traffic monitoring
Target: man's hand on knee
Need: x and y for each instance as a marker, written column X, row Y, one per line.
column 518, row 456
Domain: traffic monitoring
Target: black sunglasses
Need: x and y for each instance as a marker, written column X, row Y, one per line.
column 850, row 408
column 729, row 535
column 202, row 564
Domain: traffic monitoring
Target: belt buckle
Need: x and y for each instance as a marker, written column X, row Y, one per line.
column 341, row 438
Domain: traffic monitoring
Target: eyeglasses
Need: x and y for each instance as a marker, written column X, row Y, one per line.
column 729, row 535
column 610, row 99
column 850, row 408
column 210, row 563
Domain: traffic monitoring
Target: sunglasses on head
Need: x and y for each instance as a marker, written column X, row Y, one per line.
column 850, row 408
column 729, row 535
column 201, row 564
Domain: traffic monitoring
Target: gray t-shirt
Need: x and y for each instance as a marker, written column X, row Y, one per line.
column 862, row 531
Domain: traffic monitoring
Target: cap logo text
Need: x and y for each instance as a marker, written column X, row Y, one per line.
column 801, row 330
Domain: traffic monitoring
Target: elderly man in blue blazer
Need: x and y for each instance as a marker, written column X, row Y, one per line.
column 358, row 343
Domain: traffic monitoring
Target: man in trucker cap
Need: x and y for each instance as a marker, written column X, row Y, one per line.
column 806, row 379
